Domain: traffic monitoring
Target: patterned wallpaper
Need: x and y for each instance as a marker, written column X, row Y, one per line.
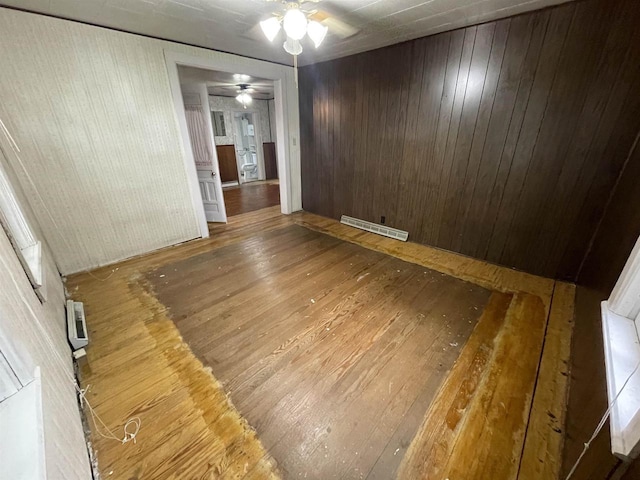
column 229, row 105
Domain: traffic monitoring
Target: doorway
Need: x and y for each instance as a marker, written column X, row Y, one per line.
column 247, row 138
column 283, row 113
column 242, row 135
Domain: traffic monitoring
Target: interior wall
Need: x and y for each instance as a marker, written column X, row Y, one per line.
column 25, row 325
column 229, row 105
column 92, row 112
column 499, row 141
column 612, row 245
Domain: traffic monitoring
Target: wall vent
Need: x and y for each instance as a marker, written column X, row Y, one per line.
column 375, row 228
column 76, row 325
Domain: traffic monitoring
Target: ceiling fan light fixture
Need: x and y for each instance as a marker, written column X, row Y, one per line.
column 292, row 46
column 316, row 32
column 244, row 98
column 295, row 22
column 270, row 28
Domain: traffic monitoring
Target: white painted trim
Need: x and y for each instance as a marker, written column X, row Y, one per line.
column 287, row 122
column 22, row 433
column 622, row 356
column 625, row 296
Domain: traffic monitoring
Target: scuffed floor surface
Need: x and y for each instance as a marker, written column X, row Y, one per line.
column 331, row 351
column 351, row 354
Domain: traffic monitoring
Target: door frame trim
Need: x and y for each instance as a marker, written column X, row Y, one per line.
column 287, row 123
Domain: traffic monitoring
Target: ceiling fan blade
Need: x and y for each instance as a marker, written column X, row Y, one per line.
column 336, row 26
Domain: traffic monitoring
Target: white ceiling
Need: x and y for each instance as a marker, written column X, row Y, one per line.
column 230, row 25
column 226, row 84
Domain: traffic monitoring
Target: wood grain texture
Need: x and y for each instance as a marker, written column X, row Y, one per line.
column 498, row 141
column 610, row 249
column 332, row 351
column 542, row 453
column 484, row 410
column 227, row 163
column 271, row 361
column 587, row 393
column 249, row 197
column 270, row 160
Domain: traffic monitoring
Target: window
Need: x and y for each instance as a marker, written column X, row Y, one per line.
column 219, row 128
column 28, row 248
column 621, row 327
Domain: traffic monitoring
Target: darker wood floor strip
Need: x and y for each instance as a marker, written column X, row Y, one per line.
column 324, row 346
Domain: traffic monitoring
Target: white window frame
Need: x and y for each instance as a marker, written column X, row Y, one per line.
column 15, row 224
column 620, row 328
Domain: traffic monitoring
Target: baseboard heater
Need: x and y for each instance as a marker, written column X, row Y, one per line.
column 375, row 228
column 76, row 325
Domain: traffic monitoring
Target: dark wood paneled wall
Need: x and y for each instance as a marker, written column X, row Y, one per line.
column 500, row 141
column 227, row 163
column 612, row 244
column 270, row 160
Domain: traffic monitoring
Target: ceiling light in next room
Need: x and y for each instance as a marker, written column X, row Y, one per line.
column 243, row 96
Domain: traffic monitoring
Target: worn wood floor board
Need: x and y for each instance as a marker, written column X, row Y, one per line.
column 190, row 428
column 306, row 362
column 542, row 455
column 139, row 365
column 430, row 449
column 301, row 303
column 481, row 273
column 250, row 197
column 367, row 375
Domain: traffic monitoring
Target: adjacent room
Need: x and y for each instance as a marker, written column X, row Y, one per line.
column 319, row 239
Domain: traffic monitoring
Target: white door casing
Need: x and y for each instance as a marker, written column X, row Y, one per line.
column 286, row 113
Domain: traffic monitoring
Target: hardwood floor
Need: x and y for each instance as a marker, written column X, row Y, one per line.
column 331, row 351
column 382, row 381
column 250, row 197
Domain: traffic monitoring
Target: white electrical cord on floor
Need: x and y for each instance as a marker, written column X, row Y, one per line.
column 130, row 428
column 128, row 436
column 603, row 420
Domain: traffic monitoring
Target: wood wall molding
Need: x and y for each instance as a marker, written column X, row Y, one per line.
column 500, row 141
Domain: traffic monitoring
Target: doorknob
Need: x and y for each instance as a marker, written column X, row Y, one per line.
column 213, row 174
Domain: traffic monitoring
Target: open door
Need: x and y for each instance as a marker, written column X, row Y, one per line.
column 211, row 191
column 200, row 128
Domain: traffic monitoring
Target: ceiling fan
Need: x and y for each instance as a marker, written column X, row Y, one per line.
column 243, row 95
column 298, row 22
column 243, row 88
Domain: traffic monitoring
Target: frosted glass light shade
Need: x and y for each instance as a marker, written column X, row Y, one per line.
column 316, row 32
column 270, row 28
column 295, row 23
column 292, row 46
column 245, row 99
